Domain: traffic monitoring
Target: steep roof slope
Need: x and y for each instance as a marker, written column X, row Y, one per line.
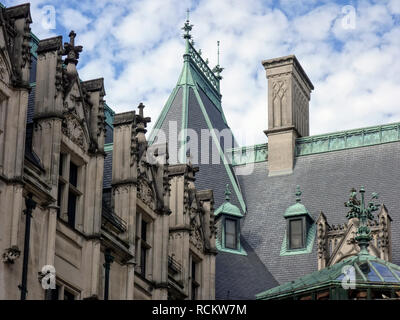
column 194, row 106
column 325, row 179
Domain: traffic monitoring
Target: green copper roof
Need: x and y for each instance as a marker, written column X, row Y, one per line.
column 34, row 42
column 249, row 154
column 197, row 76
column 227, row 207
column 335, row 141
column 348, row 139
column 297, row 209
column 369, row 271
column 109, row 114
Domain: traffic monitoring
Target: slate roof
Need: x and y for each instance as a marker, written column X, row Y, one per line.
column 195, row 103
column 325, row 180
column 241, row 277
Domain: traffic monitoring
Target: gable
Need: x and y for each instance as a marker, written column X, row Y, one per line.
column 75, row 124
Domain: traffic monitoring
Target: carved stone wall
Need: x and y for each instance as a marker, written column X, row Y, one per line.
column 336, row 242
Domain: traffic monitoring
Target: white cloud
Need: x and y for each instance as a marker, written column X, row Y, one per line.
column 137, row 47
column 72, row 19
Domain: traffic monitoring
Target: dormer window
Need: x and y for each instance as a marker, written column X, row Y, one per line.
column 231, row 233
column 228, row 222
column 296, row 234
column 300, row 229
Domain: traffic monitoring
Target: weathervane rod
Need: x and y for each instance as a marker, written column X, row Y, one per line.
column 218, row 52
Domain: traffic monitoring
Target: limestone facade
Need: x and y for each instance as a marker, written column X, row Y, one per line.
column 152, row 237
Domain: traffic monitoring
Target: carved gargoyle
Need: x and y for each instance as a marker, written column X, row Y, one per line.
column 11, row 254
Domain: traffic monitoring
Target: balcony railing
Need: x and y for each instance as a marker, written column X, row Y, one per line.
column 115, row 221
column 174, row 265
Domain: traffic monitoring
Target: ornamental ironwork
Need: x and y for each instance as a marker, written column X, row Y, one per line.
column 203, row 67
column 359, row 209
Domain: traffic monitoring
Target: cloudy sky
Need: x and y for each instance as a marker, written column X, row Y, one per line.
column 349, row 49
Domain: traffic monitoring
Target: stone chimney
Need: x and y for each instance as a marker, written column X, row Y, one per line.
column 289, row 91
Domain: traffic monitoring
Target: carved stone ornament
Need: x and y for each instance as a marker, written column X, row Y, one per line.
column 279, row 102
column 11, row 254
column 3, row 70
column 197, row 240
column 74, row 131
column 145, row 193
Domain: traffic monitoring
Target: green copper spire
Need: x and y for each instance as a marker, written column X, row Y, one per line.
column 217, row 69
column 298, row 209
column 227, row 193
column 187, row 27
column 358, row 210
column 201, row 84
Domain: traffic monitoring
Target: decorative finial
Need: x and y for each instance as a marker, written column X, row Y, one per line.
column 71, row 50
column 72, row 36
column 141, row 107
column 217, row 69
column 227, row 193
column 188, row 157
column 358, row 210
column 141, row 121
column 218, row 52
column 187, row 27
column 298, row 193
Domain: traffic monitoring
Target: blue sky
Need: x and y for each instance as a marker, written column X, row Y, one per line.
column 352, row 59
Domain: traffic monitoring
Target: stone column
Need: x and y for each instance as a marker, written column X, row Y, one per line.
column 124, row 184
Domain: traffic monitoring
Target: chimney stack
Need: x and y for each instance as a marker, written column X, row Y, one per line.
column 289, row 90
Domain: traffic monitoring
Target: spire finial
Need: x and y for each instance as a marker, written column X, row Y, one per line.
column 227, row 193
column 141, row 107
column 217, row 69
column 71, row 50
column 188, row 157
column 187, row 27
column 298, row 193
column 218, row 52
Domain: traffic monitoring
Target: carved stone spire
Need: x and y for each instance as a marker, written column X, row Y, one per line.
column 140, row 122
column 71, row 50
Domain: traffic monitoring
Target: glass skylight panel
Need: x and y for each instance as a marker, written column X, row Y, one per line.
column 384, row 271
column 369, row 273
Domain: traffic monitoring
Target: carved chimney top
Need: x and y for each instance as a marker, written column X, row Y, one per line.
column 286, row 64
